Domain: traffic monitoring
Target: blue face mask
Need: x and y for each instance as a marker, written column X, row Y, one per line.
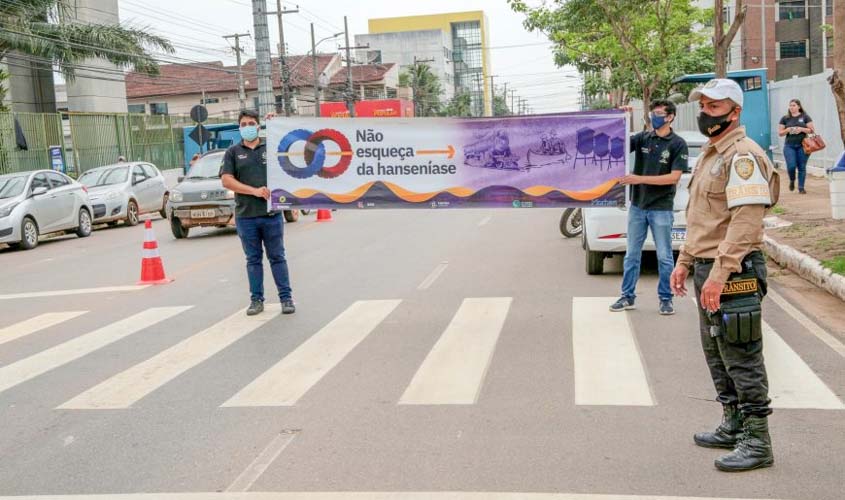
column 249, row 133
column 657, row 121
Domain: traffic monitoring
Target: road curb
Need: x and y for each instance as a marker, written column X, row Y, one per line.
column 805, row 266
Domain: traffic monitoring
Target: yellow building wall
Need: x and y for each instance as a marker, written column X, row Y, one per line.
column 442, row 22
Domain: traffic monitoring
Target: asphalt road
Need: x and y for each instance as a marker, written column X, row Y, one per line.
column 457, row 351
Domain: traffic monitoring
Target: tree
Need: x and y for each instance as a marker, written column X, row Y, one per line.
column 837, row 85
column 637, row 46
column 721, row 40
column 460, row 106
column 500, row 106
column 35, row 29
column 426, row 86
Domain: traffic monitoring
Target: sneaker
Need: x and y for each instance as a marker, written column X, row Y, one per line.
column 666, row 307
column 288, row 307
column 802, row 191
column 623, row 304
column 792, row 185
column 255, row 307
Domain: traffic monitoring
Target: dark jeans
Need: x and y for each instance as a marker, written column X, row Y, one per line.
column 737, row 370
column 660, row 222
column 796, row 159
column 268, row 230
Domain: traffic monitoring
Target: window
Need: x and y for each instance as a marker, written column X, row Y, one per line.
column 139, row 174
column 58, row 180
column 828, row 11
column 40, row 181
column 158, row 108
column 210, row 100
column 792, row 9
column 829, row 42
column 373, row 57
column 791, row 50
column 137, row 108
column 755, row 83
column 150, row 170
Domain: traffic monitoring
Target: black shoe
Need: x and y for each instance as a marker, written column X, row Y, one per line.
column 255, row 307
column 801, row 191
column 753, row 450
column 728, row 432
column 792, row 185
column 288, row 307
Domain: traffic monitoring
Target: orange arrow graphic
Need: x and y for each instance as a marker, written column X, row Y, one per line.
column 450, row 151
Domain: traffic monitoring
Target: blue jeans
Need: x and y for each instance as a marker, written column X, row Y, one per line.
column 796, row 159
column 268, row 230
column 639, row 221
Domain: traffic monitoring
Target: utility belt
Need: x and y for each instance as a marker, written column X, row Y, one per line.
column 739, row 319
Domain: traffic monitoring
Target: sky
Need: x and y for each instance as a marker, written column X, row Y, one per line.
column 196, row 28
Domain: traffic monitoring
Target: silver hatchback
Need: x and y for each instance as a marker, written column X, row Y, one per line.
column 125, row 191
column 41, row 202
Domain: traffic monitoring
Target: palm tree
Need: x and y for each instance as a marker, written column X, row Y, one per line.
column 427, row 89
column 43, row 31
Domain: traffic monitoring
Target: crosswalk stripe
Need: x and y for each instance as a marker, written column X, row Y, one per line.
column 293, row 376
column 608, row 366
column 37, row 364
column 127, row 388
column 793, row 384
column 75, row 291
column 36, row 324
column 454, row 370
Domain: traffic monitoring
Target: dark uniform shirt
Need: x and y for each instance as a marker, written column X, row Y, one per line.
column 248, row 166
column 796, row 121
column 655, row 155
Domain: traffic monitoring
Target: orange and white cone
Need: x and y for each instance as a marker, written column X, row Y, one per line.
column 152, row 269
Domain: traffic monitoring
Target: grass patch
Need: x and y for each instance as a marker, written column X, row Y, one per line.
column 830, row 243
column 797, row 230
column 836, row 264
column 778, row 210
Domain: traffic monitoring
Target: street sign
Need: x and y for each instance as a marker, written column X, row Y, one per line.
column 200, row 135
column 199, row 113
column 57, row 161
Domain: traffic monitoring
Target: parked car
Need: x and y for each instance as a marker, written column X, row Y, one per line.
column 125, row 191
column 200, row 200
column 41, row 202
column 603, row 231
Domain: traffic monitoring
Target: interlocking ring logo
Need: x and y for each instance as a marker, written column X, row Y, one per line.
column 315, row 153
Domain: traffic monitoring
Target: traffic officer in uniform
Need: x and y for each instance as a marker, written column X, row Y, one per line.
column 732, row 186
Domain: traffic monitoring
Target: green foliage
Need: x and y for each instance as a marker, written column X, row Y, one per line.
column 459, row 106
column 500, row 106
column 35, row 29
column 427, row 89
column 635, row 48
column 4, row 77
column 836, row 264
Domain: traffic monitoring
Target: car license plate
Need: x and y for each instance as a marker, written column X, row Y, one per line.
column 679, row 234
column 203, row 214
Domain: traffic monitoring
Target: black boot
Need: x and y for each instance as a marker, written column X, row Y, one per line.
column 792, row 185
column 727, row 434
column 754, row 449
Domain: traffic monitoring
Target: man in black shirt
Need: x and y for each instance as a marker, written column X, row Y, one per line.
column 660, row 159
column 244, row 171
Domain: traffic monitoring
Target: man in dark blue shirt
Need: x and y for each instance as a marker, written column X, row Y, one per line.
column 661, row 156
column 244, row 171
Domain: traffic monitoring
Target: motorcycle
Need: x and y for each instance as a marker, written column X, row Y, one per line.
column 570, row 223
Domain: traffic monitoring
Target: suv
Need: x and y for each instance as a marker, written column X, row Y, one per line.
column 604, row 229
column 200, row 200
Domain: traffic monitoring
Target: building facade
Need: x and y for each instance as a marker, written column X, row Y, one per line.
column 788, row 37
column 463, row 43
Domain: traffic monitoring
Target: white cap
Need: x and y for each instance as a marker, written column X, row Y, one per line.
column 718, row 89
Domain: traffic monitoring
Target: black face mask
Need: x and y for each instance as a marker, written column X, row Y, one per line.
column 712, row 126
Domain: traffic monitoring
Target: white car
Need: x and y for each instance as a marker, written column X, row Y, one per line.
column 41, row 202
column 124, row 191
column 604, row 229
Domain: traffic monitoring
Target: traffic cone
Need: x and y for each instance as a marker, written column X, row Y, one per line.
column 152, row 270
column 324, row 215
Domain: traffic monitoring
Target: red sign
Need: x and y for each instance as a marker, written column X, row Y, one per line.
column 370, row 109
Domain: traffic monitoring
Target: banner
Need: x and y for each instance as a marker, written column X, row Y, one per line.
column 566, row 160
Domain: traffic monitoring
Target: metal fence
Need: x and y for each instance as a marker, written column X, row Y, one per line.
column 90, row 140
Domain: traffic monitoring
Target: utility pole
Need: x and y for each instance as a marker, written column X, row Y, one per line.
column 263, row 65
column 350, row 90
column 241, row 91
column 284, row 76
column 314, row 72
column 513, row 109
column 492, row 96
column 505, row 100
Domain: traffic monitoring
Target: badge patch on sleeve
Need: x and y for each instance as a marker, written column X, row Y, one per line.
column 746, row 183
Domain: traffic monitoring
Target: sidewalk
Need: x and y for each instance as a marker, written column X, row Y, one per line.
column 812, row 244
